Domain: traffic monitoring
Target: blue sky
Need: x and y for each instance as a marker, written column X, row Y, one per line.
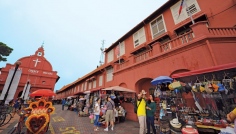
column 72, row 30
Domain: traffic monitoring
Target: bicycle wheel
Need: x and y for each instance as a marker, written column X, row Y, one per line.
column 2, row 119
column 7, row 119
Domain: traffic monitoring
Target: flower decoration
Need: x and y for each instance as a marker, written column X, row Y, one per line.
column 38, row 114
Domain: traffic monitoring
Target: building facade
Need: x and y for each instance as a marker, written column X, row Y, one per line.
column 165, row 43
column 35, row 69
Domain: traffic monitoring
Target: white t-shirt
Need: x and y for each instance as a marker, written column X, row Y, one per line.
column 97, row 109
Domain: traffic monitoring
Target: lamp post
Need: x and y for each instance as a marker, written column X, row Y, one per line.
column 17, row 64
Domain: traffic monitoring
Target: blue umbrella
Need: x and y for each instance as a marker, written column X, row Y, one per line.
column 161, row 79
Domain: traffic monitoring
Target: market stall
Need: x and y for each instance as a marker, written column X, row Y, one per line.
column 198, row 99
column 123, row 98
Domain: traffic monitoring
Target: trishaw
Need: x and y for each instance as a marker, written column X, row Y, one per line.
column 36, row 117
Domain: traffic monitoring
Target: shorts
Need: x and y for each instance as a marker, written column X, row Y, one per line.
column 109, row 115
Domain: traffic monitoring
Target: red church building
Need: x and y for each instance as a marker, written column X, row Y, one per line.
column 34, row 72
column 167, row 43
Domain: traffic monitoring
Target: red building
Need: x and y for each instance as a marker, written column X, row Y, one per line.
column 166, row 43
column 36, row 70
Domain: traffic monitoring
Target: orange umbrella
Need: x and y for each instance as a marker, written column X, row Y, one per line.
column 43, row 92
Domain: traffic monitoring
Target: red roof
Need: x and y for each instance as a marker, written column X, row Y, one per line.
column 205, row 70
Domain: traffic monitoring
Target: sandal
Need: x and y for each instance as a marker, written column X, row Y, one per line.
column 95, row 129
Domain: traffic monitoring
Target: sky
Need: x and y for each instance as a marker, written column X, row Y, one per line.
column 72, row 30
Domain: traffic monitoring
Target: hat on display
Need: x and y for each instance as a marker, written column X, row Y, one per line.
column 189, row 130
column 143, row 92
column 175, row 123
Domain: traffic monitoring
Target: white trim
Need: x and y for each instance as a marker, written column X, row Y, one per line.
column 163, row 20
column 110, row 56
column 109, row 73
column 184, row 15
column 139, row 37
column 94, row 83
column 100, row 80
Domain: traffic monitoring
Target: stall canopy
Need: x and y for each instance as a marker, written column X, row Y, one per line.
column 205, row 70
column 118, row 88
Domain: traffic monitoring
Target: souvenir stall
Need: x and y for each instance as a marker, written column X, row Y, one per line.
column 37, row 115
column 196, row 102
column 81, row 103
column 84, row 104
column 213, row 91
column 123, row 98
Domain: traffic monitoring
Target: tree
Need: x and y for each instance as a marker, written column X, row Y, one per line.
column 4, row 51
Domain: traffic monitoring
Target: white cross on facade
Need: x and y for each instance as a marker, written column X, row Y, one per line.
column 36, row 62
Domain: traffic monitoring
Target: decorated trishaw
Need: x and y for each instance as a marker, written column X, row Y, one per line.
column 36, row 117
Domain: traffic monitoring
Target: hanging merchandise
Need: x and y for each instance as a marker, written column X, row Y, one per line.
column 196, row 102
column 175, row 123
column 189, row 130
column 175, row 85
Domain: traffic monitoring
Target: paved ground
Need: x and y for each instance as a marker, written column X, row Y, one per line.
column 67, row 122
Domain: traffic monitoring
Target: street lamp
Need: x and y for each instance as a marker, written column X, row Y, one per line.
column 17, row 64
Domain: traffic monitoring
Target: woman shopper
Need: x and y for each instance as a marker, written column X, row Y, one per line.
column 150, row 111
column 97, row 113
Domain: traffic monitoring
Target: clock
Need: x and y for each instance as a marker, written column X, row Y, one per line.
column 39, row 54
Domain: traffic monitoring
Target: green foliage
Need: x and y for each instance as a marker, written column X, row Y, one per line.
column 4, row 51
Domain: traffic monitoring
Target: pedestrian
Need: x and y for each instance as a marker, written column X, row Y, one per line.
column 110, row 113
column 97, row 113
column 63, row 103
column 150, row 111
column 141, row 111
column 16, row 106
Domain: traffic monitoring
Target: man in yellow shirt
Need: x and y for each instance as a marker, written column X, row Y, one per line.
column 141, row 112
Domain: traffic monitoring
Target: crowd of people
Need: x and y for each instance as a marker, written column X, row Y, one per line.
column 106, row 112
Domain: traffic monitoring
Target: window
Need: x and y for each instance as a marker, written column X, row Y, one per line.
column 100, row 80
column 85, row 86
column 157, row 27
column 121, row 49
column 190, row 7
column 94, row 83
column 139, row 37
column 82, row 87
column 90, row 85
column 39, row 54
column 109, row 74
column 110, row 56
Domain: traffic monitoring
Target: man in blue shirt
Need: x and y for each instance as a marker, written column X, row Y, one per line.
column 63, row 103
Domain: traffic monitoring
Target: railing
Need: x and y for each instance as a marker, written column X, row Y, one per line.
column 142, row 56
column 185, row 38
column 223, row 31
column 122, row 65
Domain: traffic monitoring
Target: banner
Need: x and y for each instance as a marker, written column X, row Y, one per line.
column 22, row 95
column 13, row 87
column 26, row 97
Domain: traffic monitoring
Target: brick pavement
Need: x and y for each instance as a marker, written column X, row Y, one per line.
column 67, row 122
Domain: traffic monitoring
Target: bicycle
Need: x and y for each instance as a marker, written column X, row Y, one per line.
column 5, row 114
